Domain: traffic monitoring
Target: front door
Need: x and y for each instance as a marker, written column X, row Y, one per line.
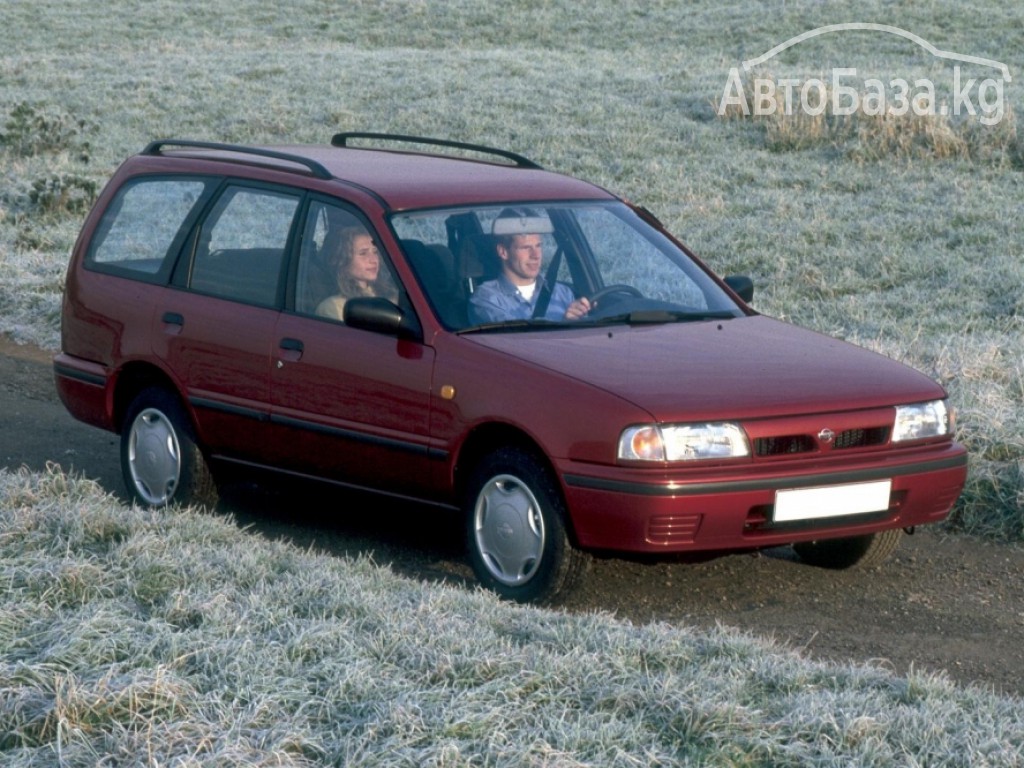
column 348, row 404
column 351, row 405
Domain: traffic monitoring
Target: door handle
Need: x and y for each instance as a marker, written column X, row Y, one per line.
column 173, row 322
column 291, row 351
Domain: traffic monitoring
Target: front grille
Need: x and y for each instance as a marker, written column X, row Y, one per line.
column 780, row 446
column 861, row 438
column 787, row 445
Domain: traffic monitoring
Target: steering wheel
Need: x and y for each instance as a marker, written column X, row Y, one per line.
column 608, row 290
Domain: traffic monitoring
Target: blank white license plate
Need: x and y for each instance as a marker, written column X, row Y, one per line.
column 832, row 501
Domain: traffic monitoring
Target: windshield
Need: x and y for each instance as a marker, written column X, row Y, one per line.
column 507, row 267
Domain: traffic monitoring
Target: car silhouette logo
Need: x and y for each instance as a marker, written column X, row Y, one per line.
column 855, row 25
column 964, row 95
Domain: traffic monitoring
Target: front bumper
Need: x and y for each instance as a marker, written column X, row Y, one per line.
column 731, row 508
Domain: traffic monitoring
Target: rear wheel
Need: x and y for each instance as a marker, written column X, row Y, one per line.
column 852, row 552
column 160, row 461
column 516, row 532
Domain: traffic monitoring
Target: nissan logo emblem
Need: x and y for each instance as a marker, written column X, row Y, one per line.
column 826, row 435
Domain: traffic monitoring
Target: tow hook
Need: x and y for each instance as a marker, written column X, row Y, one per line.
column 910, row 530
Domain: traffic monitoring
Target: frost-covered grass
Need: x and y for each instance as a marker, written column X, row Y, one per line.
column 918, row 253
column 866, row 235
column 915, row 252
column 148, row 638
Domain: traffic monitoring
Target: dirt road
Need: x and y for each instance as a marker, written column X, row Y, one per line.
column 944, row 602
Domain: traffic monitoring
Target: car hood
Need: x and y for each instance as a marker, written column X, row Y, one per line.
column 750, row 367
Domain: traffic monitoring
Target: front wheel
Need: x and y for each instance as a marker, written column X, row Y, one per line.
column 160, row 461
column 851, row 552
column 516, row 532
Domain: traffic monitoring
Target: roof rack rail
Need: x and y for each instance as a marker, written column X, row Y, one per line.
column 342, row 139
column 318, row 170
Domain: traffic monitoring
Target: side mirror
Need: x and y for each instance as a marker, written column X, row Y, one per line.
column 742, row 286
column 381, row 316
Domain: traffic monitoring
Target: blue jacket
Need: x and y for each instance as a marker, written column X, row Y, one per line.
column 498, row 300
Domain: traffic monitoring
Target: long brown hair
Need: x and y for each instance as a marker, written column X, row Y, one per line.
column 341, row 260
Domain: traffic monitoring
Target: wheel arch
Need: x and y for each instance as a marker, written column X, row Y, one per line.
column 135, row 377
column 487, row 438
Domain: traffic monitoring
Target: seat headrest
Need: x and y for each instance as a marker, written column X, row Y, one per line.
column 478, row 257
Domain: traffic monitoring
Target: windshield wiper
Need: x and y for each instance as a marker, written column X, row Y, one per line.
column 639, row 317
column 513, row 325
column 661, row 316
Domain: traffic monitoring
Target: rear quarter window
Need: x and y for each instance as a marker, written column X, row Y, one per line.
column 143, row 227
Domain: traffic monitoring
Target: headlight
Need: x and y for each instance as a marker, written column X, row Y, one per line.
column 683, row 442
column 921, row 420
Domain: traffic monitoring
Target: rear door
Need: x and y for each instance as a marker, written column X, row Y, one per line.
column 348, row 404
column 215, row 332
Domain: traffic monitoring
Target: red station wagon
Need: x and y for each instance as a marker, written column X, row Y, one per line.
column 452, row 324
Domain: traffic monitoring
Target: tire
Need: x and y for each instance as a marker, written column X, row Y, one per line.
column 160, row 461
column 516, row 534
column 852, row 552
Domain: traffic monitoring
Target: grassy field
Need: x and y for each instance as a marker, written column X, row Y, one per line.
column 139, row 638
column 122, row 635
column 903, row 236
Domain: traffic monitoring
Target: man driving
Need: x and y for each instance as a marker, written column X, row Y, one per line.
column 516, row 292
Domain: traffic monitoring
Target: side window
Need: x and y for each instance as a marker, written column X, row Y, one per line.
column 339, row 259
column 425, row 239
column 143, row 223
column 242, row 245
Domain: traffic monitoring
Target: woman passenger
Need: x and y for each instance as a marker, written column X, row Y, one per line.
column 357, row 267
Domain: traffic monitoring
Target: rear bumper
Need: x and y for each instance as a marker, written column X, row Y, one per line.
column 628, row 510
column 82, row 387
